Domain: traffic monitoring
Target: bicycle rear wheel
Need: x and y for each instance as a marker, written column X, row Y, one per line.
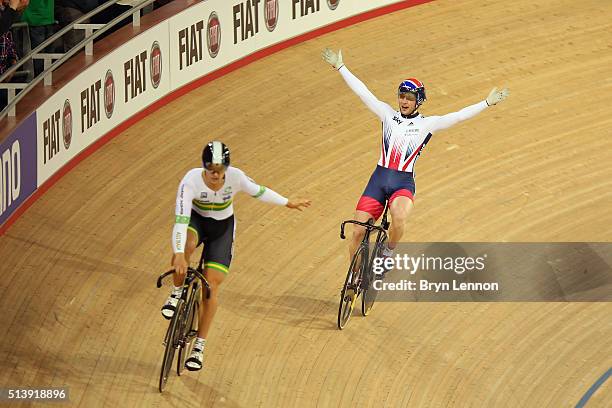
column 190, row 332
column 350, row 291
column 172, row 335
column 368, row 298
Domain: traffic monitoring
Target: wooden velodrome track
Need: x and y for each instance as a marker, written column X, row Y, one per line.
column 78, row 298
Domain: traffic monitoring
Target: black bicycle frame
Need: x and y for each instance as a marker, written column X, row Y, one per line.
column 369, row 226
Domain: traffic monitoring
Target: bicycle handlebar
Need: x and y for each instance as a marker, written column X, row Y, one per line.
column 163, row 276
column 193, row 272
column 369, row 226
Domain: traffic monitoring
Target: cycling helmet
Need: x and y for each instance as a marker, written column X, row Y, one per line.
column 216, row 152
column 415, row 87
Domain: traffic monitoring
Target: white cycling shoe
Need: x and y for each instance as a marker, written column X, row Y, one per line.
column 169, row 307
column 194, row 362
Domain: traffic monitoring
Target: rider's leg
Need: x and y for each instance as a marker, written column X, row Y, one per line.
column 400, row 207
column 218, row 258
column 367, row 207
column 358, row 231
column 215, row 274
column 370, row 205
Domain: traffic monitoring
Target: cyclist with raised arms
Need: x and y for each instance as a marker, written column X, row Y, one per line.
column 205, row 214
column 405, row 132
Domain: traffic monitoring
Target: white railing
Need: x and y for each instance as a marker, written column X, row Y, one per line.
column 60, row 58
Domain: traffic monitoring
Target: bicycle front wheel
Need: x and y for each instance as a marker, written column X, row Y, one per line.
column 171, row 342
column 370, row 293
column 350, row 291
column 191, row 330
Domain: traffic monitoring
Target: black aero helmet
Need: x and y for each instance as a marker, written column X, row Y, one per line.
column 216, row 152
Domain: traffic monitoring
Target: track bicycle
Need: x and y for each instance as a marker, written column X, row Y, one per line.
column 360, row 276
column 183, row 327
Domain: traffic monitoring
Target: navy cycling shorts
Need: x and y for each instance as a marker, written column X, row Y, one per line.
column 385, row 184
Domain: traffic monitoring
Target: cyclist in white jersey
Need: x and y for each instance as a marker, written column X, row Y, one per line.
column 205, row 214
column 405, row 132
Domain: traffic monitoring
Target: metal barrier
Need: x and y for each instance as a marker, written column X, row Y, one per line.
column 60, row 58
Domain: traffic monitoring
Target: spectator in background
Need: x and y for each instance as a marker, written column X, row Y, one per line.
column 8, row 52
column 10, row 13
column 40, row 17
column 8, row 55
column 67, row 11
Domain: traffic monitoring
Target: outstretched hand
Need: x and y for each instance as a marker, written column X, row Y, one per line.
column 298, row 203
column 335, row 60
column 496, row 96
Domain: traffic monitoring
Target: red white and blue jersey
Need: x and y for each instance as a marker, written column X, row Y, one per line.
column 403, row 138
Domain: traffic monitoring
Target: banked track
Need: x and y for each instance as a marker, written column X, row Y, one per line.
column 78, row 299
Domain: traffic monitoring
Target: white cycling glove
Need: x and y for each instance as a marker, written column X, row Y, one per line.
column 332, row 58
column 496, row 96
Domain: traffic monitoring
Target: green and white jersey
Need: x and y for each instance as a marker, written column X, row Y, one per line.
column 194, row 194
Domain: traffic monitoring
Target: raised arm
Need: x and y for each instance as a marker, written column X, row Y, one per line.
column 448, row 120
column 268, row 195
column 260, row 192
column 379, row 108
